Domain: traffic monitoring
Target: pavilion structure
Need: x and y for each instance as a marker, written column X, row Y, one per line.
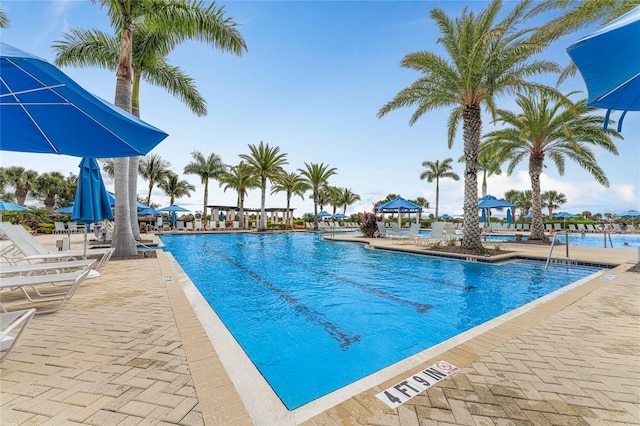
column 231, row 213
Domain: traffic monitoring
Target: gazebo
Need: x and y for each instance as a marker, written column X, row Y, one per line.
column 399, row 205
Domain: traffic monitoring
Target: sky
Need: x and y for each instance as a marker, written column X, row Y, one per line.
column 312, row 81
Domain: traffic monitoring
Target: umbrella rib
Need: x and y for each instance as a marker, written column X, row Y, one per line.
column 618, row 87
column 22, row 92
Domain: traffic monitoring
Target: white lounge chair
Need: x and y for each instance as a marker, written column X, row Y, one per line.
column 59, row 228
column 382, row 231
column 236, row 224
column 27, row 248
column 74, row 229
column 410, row 236
column 12, row 324
column 37, row 288
column 180, row 225
column 437, row 233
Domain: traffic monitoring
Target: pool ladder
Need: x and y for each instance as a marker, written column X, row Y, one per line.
column 553, row 242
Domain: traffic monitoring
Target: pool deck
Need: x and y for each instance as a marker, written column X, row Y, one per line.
column 130, row 348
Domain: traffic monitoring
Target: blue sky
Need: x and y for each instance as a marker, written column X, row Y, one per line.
column 312, row 81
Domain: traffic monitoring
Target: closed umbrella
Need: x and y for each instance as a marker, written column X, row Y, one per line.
column 92, row 202
column 509, row 216
column 609, row 62
column 484, row 216
column 43, row 110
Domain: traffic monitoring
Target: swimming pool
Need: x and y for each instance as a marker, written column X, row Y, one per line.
column 314, row 316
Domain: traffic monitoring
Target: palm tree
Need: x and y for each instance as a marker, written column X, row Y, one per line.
column 210, row 167
column 106, row 165
column 485, row 60
column 173, row 21
column 154, row 169
column 291, row 184
column 22, row 181
column 347, row 198
column 316, row 176
column 552, row 200
column 266, row 163
column 437, row 170
column 48, row 186
column 4, row 19
column 333, row 197
column 241, row 179
column 555, row 130
column 175, row 187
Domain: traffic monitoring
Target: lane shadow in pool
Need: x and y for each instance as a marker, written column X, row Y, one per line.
column 421, row 308
column 346, row 339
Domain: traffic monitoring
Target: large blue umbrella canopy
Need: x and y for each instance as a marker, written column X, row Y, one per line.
column 43, row 110
column 92, row 202
column 609, row 62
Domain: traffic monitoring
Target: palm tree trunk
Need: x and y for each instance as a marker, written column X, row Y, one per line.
column 437, row 196
column 123, row 240
column 241, row 196
column 21, row 196
column 472, row 129
column 288, row 217
column 133, row 197
column 535, row 170
column 315, row 210
column 263, row 213
column 206, row 201
column 484, row 184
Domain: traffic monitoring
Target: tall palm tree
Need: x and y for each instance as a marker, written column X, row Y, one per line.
column 347, row 198
column 206, row 168
column 175, row 187
column 556, row 130
column 241, row 179
column 174, row 22
column 437, row 170
column 552, row 200
column 106, row 165
column 265, row 162
column 291, row 184
column 22, row 181
column 316, row 176
column 486, row 59
column 154, row 169
column 48, row 186
column 333, row 198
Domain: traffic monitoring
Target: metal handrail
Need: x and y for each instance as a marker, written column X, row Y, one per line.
column 553, row 242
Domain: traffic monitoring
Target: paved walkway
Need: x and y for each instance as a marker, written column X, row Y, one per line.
column 128, row 348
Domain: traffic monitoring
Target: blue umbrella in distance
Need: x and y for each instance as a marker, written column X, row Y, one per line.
column 7, row 206
column 324, row 214
column 65, row 210
column 509, row 216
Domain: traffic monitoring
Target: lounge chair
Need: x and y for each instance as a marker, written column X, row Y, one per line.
column 223, row 224
column 12, row 324
column 557, row 227
column 548, row 227
column 631, row 229
column 180, row 225
column 395, row 230
column 27, row 248
column 59, row 228
column 526, row 227
column 189, row 226
column 410, row 236
column 590, row 228
column 617, row 228
column 572, row 228
column 581, row 227
column 437, row 234
column 198, row 226
column 73, row 228
column 382, row 231
column 35, row 287
column 235, row 224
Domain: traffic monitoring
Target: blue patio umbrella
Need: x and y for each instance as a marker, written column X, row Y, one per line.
column 509, row 216
column 43, row 110
column 340, row 216
column 564, row 215
column 7, row 206
column 174, row 208
column 149, row 212
column 491, row 202
column 630, row 213
column 484, row 216
column 528, row 216
column 92, row 202
column 65, row 210
column 324, row 214
column 445, row 216
column 609, row 62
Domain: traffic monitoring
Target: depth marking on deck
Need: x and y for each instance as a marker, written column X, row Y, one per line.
column 403, row 391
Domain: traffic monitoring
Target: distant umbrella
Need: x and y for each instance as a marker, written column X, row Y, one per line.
column 7, row 206
column 65, row 210
column 630, row 213
column 324, row 214
column 446, row 216
column 174, row 208
column 528, row 216
column 340, row 216
column 149, row 212
column 564, row 215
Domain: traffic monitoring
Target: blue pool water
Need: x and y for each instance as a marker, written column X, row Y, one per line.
column 314, row 316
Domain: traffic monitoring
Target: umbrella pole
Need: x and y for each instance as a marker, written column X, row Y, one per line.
column 84, row 253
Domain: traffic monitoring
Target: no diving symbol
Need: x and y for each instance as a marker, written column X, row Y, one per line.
column 445, row 366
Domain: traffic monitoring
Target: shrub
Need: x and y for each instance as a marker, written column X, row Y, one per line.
column 452, row 242
column 369, row 224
